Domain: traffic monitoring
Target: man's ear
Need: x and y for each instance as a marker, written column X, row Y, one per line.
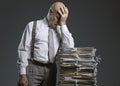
column 51, row 10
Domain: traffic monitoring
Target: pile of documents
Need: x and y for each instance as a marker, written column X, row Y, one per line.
column 78, row 67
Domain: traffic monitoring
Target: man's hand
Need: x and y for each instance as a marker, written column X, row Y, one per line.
column 23, row 81
column 63, row 12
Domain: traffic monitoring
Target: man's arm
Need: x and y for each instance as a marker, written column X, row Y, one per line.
column 24, row 48
column 67, row 39
column 24, row 51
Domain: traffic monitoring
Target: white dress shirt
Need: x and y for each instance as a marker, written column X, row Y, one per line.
column 41, row 43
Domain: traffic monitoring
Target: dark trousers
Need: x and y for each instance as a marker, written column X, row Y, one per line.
column 40, row 74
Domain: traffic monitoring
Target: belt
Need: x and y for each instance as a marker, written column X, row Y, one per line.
column 40, row 63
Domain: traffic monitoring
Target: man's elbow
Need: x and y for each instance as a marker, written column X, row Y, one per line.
column 68, row 45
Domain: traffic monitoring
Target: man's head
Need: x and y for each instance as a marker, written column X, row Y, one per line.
column 55, row 13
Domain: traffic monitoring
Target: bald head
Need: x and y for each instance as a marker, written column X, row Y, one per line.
column 57, row 5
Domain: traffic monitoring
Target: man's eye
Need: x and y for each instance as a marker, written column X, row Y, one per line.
column 58, row 17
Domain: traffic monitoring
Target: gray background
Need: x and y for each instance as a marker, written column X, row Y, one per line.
column 92, row 23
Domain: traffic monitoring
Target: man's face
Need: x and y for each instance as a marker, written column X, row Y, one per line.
column 57, row 14
column 54, row 18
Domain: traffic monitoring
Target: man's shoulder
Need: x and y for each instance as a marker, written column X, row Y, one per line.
column 39, row 21
column 31, row 22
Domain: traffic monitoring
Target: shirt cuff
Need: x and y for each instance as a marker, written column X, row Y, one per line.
column 22, row 70
column 64, row 28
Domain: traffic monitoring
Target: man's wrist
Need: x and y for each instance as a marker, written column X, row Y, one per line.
column 62, row 23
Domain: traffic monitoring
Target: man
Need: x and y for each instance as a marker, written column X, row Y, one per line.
column 39, row 70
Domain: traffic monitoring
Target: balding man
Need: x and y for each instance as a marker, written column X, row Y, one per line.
column 38, row 68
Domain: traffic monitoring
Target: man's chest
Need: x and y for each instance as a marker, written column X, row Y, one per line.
column 42, row 34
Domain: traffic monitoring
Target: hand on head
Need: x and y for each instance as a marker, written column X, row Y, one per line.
column 58, row 14
column 63, row 11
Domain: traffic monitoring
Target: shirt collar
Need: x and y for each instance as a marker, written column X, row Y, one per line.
column 45, row 21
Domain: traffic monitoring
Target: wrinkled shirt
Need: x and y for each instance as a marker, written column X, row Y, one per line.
column 41, row 43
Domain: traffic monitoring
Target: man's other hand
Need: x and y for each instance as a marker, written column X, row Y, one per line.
column 23, row 81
